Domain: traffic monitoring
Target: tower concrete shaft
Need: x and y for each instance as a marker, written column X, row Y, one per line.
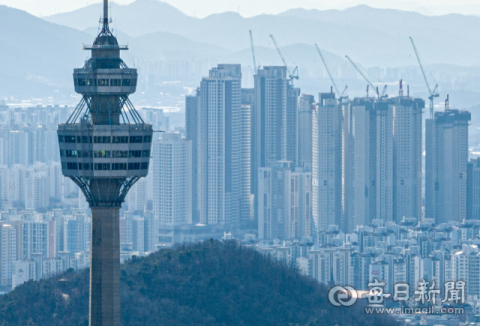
column 105, row 148
column 105, row 267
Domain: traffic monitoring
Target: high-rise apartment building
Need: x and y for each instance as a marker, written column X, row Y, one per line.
column 76, row 234
column 137, row 196
column 8, row 254
column 292, row 124
column 446, row 166
column 284, row 205
column 373, row 162
column 138, row 235
column 407, row 136
column 270, row 119
column 172, row 175
column 191, row 116
column 151, row 232
column 327, row 162
column 348, row 166
column 473, row 189
column 305, row 124
column 273, row 201
column 223, row 168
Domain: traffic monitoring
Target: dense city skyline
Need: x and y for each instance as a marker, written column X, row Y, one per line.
column 350, row 176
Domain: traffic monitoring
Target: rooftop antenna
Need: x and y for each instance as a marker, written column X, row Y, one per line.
column 105, row 28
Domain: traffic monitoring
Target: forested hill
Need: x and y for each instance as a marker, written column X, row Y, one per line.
column 212, row 283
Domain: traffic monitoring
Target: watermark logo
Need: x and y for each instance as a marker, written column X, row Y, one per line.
column 427, row 292
column 342, row 296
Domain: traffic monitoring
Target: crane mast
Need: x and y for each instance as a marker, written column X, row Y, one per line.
column 253, row 54
column 330, row 75
column 366, row 79
column 293, row 75
column 432, row 94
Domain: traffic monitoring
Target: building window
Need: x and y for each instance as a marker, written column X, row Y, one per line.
column 103, row 82
column 135, row 154
column 71, row 153
column 102, row 166
column 70, row 139
column 120, row 154
column 101, row 154
column 84, row 166
column 135, row 139
column 72, row 166
column 133, row 166
column 120, row 140
column 101, row 139
column 119, row 166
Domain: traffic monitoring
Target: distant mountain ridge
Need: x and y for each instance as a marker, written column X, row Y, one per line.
column 374, row 36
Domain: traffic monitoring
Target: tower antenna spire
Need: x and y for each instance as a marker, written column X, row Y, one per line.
column 105, row 16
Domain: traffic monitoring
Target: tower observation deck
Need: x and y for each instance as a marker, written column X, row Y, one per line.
column 105, row 148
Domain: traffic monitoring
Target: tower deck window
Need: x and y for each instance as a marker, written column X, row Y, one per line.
column 135, row 154
column 119, row 166
column 120, row 154
column 86, row 139
column 101, row 154
column 72, row 166
column 133, row 166
column 101, row 139
column 135, row 139
column 120, row 140
column 102, row 166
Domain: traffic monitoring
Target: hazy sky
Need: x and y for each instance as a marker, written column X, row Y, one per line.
column 202, row 8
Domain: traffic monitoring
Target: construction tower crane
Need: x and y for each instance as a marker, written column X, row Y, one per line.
column 432, row 94
column 384, row 92
column 292, row 75
column 255, row 69
column 340, row 96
